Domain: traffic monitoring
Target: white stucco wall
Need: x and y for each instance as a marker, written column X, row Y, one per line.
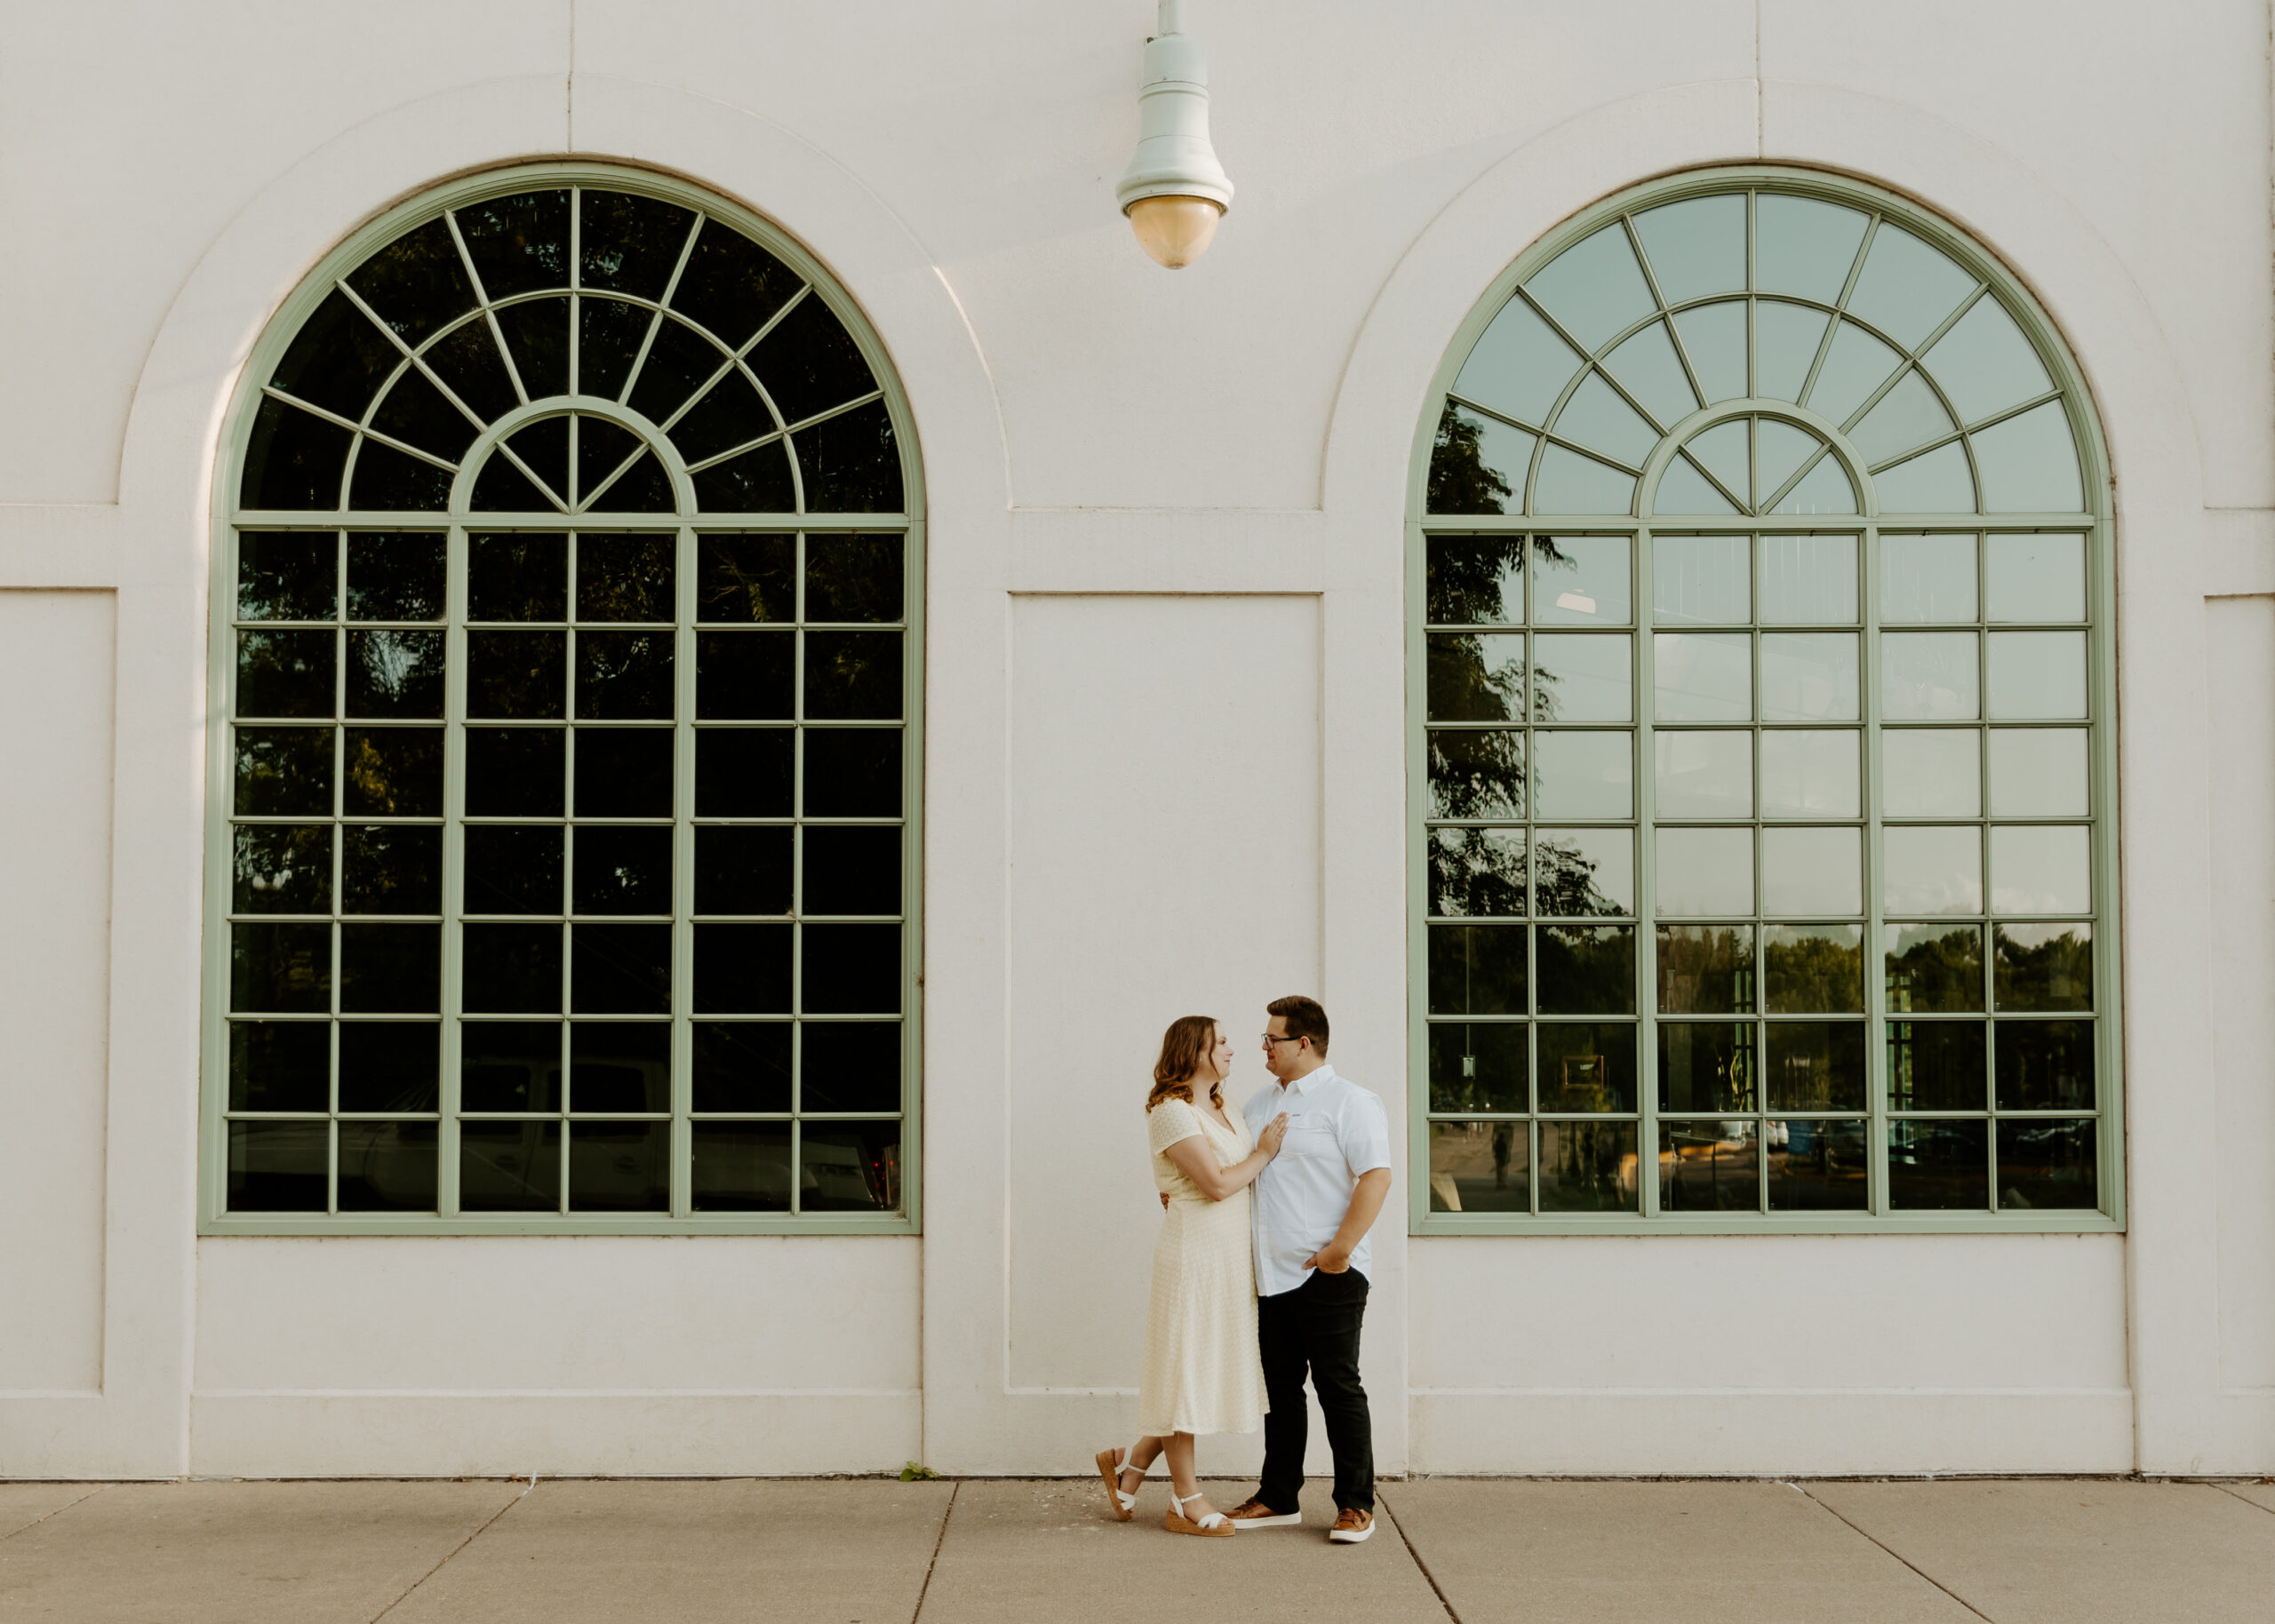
column 1162, row 508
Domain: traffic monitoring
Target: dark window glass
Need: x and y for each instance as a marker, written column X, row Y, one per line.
column 1479, row 1068
column 1815, row 1065
column 394, row 772
column 416, row 282
column 680, row 362
column 504, row 488
column 1706, row 969
column 518, row 578
column 746, row 579
column 742, row 970
column 619, row 1066
column 852, row 871
column 509, row 1167
column 742, row 1066
column 2045, row 966
column 280, row 969
column 1478, row 970
column 285, row 673
column 1937, row 1065
column 293, row 460
column 388, row 481
column 850, row 772
column 624, row 772
column 1585, row 969
column 512, row 969
column 518, row 243
column 809, row 362
column 1706, row 1065
column 514, row 772
column 1813, row 969
column 1476, row 677
column 515, row 675
column 395, row 673
column 850, row 969
column 853, row 577
column 620, row 969
column 419, row 413
column 609, row 338
column 2046, row 1164
column 623, row 676
column 743, row 870
column 1935, row 969
column 624, row 577
column 1475, row 579
column 743, row 676
column 391, row 869
column 850, row 463
column 543, row 448
column 1476, row 772
column 282, row 868
column 1711, row 1164
column 604, row 450
column 1938, row 1166
column 1462, row 480
column 390, row 1065
column 286, row 576
column 337, row 360
column 745, row 772
column 643, row 488
column 620, row 1166
column 387, row 1166
column 468, row 365
column 742, row 1166
column 509, row 1065
column 391, row 969
column 283, row 772
column 631, row 244
column 1481, row 1168
column 279, row 1167
column 1587, row 1167
column 2045, row 1065
column 623, row 870
column 757, row 482
column 1586, row 1066
column 849, row 1065
column 730, row 414
column 1478, row 873
column 280, row 1065
column 395, row 577
column 537, row 336
column 513, row 870
column 1817, row 1165
column 849, row 1166
column 731, row 284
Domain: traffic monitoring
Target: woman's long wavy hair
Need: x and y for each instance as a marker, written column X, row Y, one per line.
column 1188, row 1039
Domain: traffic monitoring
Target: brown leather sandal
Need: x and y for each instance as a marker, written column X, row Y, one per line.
column 1125, row 1506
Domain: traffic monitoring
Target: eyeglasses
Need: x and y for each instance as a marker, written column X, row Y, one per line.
column 1269, row 1040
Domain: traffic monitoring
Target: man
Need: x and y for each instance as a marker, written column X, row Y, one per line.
column 1313, row 1205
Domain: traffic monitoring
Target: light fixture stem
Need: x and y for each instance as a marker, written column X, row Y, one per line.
column 1170, row 19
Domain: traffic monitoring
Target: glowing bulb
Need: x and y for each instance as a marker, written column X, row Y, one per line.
column 1175, row 230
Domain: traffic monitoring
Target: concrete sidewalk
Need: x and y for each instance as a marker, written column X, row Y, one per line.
column 2016, row 1551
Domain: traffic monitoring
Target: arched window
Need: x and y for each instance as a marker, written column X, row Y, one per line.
column 1763, row 834
column 563, row 867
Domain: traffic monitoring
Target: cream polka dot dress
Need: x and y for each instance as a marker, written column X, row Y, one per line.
column 1202, row 1372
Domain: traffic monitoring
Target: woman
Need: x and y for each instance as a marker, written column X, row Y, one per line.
column 1202, row 1370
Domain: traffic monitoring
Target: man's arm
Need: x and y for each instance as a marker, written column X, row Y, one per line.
column 1365, row 1206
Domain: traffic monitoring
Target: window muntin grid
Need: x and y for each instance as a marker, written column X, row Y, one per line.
column 1908, row 1127
column 752, row 678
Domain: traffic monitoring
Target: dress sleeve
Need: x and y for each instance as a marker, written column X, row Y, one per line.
column 1168, row 1122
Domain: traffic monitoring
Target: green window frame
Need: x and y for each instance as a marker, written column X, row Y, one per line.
column 1762, row 807
column 566, row 734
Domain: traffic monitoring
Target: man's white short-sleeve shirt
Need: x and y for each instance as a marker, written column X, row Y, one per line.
column 1336, row 1131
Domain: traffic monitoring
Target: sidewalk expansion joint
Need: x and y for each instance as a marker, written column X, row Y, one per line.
column 455, row 1549
column 59, row 1511
column 2223, row 1487
column 939, row 1540
column 1803, row 1491
column 1414, row 1557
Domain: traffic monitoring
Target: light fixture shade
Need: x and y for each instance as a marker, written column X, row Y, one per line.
column 1174, row 157
column 1175, row 230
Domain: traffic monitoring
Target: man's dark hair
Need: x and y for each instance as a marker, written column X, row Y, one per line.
column 1305, row 1019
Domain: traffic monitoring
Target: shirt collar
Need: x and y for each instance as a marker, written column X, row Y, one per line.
column 1322, row 1073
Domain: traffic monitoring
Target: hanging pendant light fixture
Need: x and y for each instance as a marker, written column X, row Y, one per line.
column 1174, row 191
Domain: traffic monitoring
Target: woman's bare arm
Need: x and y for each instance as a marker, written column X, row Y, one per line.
column 1194, row 1159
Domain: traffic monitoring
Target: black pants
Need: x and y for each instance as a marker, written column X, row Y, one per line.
column 1315, row 1327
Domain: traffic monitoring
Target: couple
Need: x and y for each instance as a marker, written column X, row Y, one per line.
column 1231, row 1332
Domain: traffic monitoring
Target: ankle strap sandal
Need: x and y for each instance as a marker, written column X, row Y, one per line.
column 1216, row 1525
column 1112, row 1463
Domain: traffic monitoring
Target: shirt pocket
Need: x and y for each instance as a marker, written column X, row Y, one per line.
column 1312, row 1138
